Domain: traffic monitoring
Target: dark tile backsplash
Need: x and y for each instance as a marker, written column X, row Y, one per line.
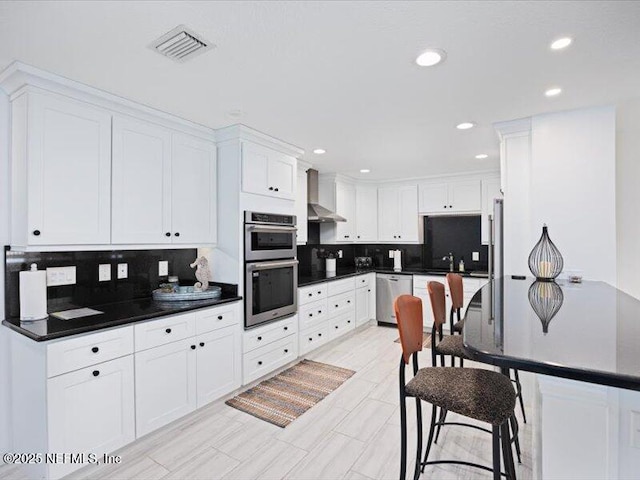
column 142, row 276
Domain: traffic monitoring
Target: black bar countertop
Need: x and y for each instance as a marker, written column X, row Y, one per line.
column 594, row 335
column 312, row 277
column 114, row 314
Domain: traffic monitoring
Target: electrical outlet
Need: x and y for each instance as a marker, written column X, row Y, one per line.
column 390, row 253
column 475, row 256
column 163, row 268
column 104, row 272
column 123, row 271
column 61, row 276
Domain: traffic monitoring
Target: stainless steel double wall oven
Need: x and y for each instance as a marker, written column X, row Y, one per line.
column 271, row 269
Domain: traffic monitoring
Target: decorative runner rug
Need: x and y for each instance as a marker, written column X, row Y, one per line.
column 426, row 340
column 283, row 398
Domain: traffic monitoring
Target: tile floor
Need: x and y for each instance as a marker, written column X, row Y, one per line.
column 354, row 433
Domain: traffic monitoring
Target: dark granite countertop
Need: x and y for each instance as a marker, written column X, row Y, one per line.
column 114, row 314
column 313, row 277
column 593, row 337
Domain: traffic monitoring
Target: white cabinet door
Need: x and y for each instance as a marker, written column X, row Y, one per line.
column 282, row 175
column 388, row 221
column 366, row 214
column 141, row 182
column 218, row 364
column 490, row 191
column 408, row 214
column 165, row 384
column 434, row 198
column 362, row 306
column 465, row 196
column 193, row 190
column 68, row 171
column 91, row 410
column 345, row 207
column 255, row 166
column 301, row 208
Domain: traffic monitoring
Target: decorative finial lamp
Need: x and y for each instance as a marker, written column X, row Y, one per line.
column 545, row 260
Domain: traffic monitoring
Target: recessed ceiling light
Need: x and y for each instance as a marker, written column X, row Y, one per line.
column 431, row 57
column 561, row 43
column 552, row 92
column 465, row 125
column 235, row 113
column 482, row 156
column 319, row 151
column 364, row 170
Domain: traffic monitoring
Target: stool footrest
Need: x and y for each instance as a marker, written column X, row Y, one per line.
column 458, row 462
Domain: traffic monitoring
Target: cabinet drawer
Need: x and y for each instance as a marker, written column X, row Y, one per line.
column 312, row 293
column 342, row 324
column 259, row 337
column 314, row 337
column 341, row 286
column 312, row 314
column 67, row 355
column 165, row 330
column 266, row 359
column 362, row 281
column 340, row 303
column 215, row 318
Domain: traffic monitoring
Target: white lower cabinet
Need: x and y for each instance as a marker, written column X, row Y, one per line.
column 264, row 360
column 165, row 384
column 218, row 366
column 91, row 411
column 362, row 306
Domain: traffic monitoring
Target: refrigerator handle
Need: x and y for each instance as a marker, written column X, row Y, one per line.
column 490, row 249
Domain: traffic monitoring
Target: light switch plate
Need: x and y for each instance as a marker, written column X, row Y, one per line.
column 390, row 253
column 339, row 253
column 57, row 276
column 123, row 271
column 163, row 268
column 475, row 256
column 104, row 272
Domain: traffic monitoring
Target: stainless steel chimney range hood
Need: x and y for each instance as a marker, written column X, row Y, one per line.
column 316, row 212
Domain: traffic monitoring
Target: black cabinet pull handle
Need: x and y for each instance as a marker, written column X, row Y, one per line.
column 286, row 350
column 319, row 311
column 276, row 189
column 168, row 330
column 168, row 234
column 336, row 306
column 259, row 338
column 270, row 188
column 310, row 294
column 336, row 326
column 286, row 328
column 348, row 301
column 202, row 344
column 36, row 232
column 369, row 290
column 450, row 206
column 193, row 347
column 219, row 317
column 96, row 373
column 348, row 321
column 399, row 236
column 319, row 293
column 358, row 236
column 394, row 236
column 319, row 334
column 311, row 314
column 177, row 234
column 95, row 349
column 259, row 362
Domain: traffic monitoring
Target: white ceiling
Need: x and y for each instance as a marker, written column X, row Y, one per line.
column 341, row 75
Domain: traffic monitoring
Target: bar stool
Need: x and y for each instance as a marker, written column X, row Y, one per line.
column 479, row 394
column 457, row 302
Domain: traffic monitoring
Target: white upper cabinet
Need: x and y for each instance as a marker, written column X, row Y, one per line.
column 301, row 208
column 451, row 197
column 193, row 190
column 141, row 182
column 366, row 213
column 61, row 169
column 490, row 191
column 164, row 185
column 398, row 219
column 268, row 172
column 346, row 207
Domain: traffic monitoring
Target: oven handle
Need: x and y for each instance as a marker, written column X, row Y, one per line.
column 271, row 228
column 269, row 265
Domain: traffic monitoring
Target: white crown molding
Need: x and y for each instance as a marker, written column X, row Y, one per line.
column 240, row 131
column 19, row 78
column 475, row 174
column 520, row 126
column 304, row 165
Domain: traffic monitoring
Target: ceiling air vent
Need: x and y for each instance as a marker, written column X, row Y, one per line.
column 181, row 44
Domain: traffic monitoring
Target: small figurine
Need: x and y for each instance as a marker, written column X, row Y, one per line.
column 203, row 273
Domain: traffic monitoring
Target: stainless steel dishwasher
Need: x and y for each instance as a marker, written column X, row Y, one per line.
column 388, row 287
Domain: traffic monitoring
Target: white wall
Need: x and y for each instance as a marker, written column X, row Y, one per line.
column 628, row 195
column 5, row 432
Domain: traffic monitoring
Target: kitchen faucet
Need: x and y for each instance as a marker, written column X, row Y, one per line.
column 450, row 258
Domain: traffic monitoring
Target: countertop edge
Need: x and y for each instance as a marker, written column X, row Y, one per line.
column 114, row 323
column 381, row 270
